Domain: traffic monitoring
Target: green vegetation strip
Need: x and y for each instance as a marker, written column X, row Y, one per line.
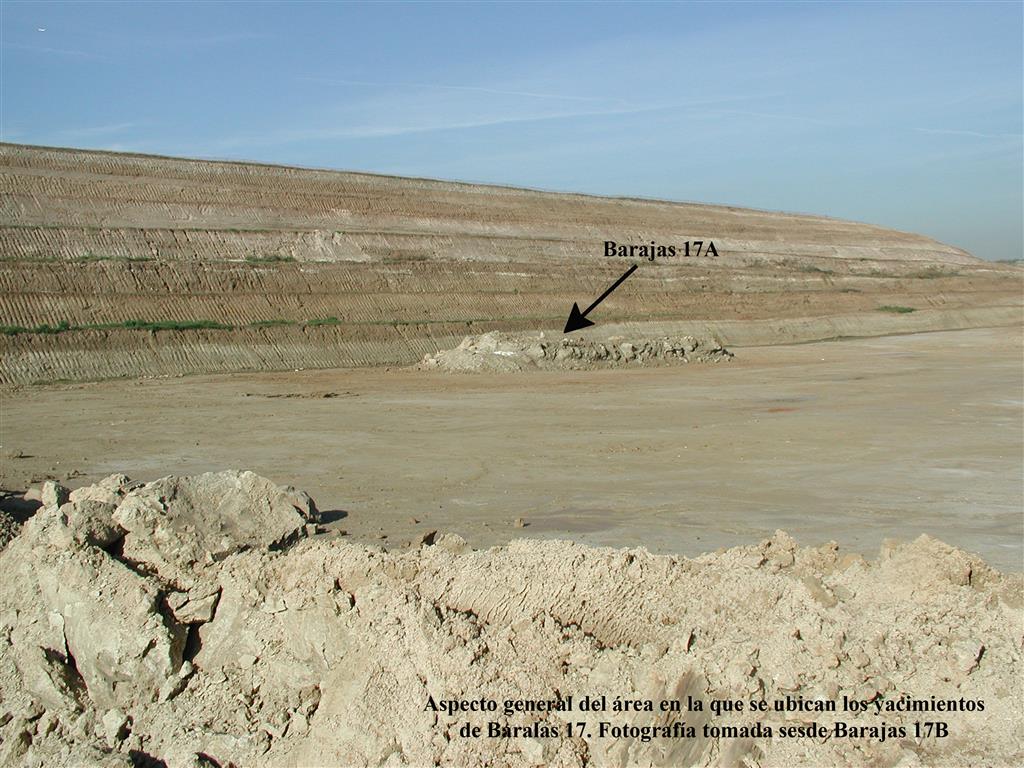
column 134, row 325
column 198, row 325
column 271, row 259
column 896, row 310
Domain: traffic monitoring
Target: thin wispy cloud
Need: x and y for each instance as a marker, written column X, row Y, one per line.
column 54, row 51
column 96, row 130
column 776, row 116
column 221, row 39
column 972, row 134
column 435, row 108
column 389, row 130
column 471, row 88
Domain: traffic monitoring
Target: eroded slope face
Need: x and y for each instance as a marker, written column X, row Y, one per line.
column 214, row 631
column 332, row 216
column 120, row 265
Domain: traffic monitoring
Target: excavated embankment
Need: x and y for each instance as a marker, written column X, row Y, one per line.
column 125, row 265
column 200, row 621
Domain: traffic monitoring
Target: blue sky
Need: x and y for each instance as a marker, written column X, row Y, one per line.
column 902, row 114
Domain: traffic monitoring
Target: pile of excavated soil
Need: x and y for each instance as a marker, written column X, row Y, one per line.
column 197, row 621
column 498, row 351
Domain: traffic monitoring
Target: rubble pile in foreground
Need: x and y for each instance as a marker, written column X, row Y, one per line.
column 199, row 621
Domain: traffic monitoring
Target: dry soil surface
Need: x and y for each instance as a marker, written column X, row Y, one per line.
column 855, row 441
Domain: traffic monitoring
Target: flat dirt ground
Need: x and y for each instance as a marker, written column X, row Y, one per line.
column 855, row 441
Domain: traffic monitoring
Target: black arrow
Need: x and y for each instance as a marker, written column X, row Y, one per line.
column 578, row 319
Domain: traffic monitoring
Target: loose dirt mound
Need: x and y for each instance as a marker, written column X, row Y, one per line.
column 174, row 622
column 497, row 351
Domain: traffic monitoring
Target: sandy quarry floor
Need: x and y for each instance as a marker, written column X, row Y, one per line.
column 855, row 441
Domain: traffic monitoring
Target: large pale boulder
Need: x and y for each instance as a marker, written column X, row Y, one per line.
column 179, row 526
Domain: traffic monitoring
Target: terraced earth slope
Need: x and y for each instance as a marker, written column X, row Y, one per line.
column 128, row 265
